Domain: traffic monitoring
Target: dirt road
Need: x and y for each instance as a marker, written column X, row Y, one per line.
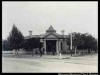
column 46, row 64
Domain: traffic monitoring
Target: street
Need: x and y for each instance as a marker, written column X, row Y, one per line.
column 49, row 63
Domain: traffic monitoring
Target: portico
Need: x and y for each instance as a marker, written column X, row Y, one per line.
column 53, row 40
column 48, row 45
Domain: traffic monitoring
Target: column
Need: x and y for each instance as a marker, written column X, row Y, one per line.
column 57, row 45
column 45, row 47
column 66, row 44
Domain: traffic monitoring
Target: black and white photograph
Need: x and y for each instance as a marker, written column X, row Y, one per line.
column 49, row 36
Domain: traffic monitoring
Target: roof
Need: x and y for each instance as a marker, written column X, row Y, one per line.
column 51, row 29
column 45, row 35
column 35, row 36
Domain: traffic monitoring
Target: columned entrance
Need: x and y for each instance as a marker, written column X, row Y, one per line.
column 50, row 46
column 52, row 42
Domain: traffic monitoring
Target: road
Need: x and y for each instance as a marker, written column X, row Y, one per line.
column 48, row 63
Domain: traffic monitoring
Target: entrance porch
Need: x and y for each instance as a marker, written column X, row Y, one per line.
column 51, row 46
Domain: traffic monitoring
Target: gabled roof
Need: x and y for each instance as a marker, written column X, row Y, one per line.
column 51, row 34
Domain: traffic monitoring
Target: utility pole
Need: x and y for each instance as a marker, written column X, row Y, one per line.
column 63, row 40
column 75, row 43
column 71, row 43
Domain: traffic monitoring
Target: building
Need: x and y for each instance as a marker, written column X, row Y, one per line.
column 52, row 40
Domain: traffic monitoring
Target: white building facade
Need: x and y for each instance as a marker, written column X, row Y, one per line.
column 52, row 40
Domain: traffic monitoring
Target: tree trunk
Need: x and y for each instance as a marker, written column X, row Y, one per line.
column 15, row 52
column 75, row 49
column 32, row 52
column 78, row 52
column 83, row 51
column 89, row 51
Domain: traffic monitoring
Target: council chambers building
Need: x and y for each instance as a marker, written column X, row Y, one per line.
column 52, row 39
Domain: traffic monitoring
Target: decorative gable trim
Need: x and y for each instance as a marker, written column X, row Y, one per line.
column 51, row 35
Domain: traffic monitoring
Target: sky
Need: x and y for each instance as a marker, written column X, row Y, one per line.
column 38, row 16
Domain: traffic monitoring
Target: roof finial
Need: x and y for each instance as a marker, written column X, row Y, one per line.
column 50, row 19
column 51, row 29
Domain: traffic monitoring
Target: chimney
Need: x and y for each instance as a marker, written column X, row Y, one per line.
column 62, row 31
column 30, row 33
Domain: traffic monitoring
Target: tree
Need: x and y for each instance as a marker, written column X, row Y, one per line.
column 15, row 39
column 95, row 43
column 6, row 45
column 83, row 41
column 31, row 43
column 76, row 40
column 90, row 43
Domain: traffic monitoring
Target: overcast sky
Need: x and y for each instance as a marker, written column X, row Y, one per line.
column 38, row 16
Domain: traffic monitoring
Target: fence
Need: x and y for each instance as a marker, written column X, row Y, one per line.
column 13, row 51
column 37, row 52
column 21, row 51
column 80, row 51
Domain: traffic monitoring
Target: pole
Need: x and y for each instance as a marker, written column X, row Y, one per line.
column 71, row 43
column 60, row 56
column 75, row 50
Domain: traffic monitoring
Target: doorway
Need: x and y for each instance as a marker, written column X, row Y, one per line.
column 50, row 45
